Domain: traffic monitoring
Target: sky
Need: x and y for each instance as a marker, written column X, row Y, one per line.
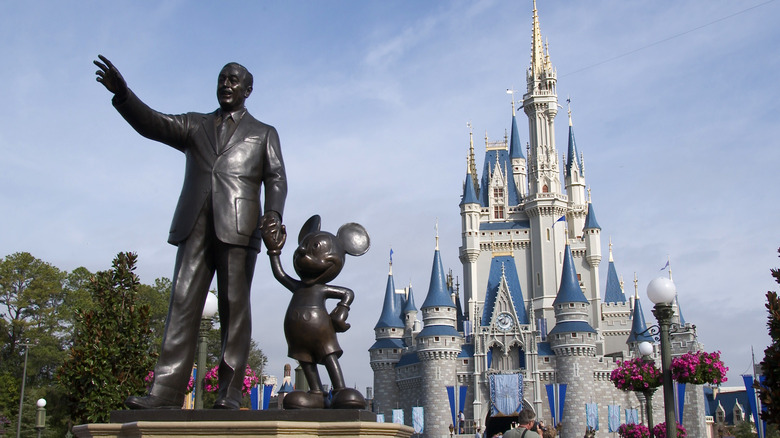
column 672, row 105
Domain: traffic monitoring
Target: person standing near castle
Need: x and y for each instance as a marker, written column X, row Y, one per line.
column 217, row 225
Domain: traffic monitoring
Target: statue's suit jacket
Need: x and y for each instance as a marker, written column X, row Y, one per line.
column 229, row 177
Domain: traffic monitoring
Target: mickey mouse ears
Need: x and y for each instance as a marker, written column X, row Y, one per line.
column 354, row 238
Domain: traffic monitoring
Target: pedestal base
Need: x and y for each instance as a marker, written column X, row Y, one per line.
column 216, row 423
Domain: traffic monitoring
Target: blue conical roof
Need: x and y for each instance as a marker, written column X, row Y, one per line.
column 438, row 295
column 409, row 303
column 570, row 290
column 515, row 148
column 503, row 266
column 572, row 158
column 614, row 293
column 391, row 309
column 590, row 219
column 638, row 325
column 469, row 193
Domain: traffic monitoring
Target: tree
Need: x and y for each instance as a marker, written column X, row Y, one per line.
column 111, row 352
column 31, row 295
column 769, row 392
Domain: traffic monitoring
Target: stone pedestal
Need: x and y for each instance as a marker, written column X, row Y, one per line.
column 217, row 423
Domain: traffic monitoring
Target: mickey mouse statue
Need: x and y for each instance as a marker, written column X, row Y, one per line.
column 309, row 329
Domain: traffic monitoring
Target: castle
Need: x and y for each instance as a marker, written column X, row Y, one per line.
column 533, row 314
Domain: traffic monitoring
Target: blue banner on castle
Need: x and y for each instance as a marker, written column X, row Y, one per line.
column 418, row 419
column 556, row 395
column 461, row 401
column 506, row 394
column 751, row 396
column 613, row 417
column 258, row 398
column 680, row 405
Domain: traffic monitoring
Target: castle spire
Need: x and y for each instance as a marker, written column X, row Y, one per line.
column 391, row 312
column 537, row 49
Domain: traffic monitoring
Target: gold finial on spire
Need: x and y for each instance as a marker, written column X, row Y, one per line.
column 568, row 105
column 537, row 55
column 588, row 195
column 610, row 249
column 669, row 264
column 621, row 284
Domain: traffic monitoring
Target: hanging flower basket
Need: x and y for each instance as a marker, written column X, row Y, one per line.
column 636, row 375
column 699, row 368
column 659, row 431
column 212, row 380
column 150, row 378
column 633, row 431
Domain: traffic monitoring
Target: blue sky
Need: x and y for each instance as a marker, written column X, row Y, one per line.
column 674, row 105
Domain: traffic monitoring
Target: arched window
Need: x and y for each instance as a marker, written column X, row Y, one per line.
column 545, row 189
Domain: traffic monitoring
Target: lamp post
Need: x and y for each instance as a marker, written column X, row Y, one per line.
column 661, row 292
column 646, row 349
column 26, row 346
column 209, row 310
column 40, row 417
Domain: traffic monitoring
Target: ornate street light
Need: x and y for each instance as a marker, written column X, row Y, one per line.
column 646, row 349
column 661, row 292
column 209, row 310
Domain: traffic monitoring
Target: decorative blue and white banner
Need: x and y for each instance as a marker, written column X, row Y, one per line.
column 254, row 398
column 556, row 395
column 462, row 399
column 506, row 394
column 613, row 417
column 632, row 416
column 267, row 391
column 398, row 416
column 418, row 419
column 451, row 398
column 380, row 418
column 679, row 395
column 751, row 396
column 592, row 415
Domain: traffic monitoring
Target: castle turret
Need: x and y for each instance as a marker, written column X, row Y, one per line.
column 573, row 341
column 615, row 313
column 438, row 346
column 638, row 326
column 574, row 173
column 469, row 214
column 387, row 350
column 409, row 311
column 519, row 170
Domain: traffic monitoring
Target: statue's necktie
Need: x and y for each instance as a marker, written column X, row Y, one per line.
column 223, row 131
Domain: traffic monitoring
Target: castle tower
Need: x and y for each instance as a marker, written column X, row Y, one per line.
column 470, row 220
column 438, row 346
column 409, row 311
column 638, row 325
column 575, row 186
column 615, row 313
column 519, row 170
column 573, row 341
column 387, row 350
column 592, row 236
column 545, row 202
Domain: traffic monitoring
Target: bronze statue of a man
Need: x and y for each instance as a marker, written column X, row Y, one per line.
column 217, row 225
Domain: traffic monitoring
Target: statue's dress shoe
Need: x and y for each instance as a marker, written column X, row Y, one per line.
column 226, row 403
column 304, row 400
column 150, row 402
column 347, row 398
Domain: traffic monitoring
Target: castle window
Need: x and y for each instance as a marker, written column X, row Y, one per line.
column 395, row 350
column 545, row 189
column 548, row 234
column 465, row 361
column 436, row 339
column 498, row 194
column 574, row 335
column 571, row 304
column 579, row 277
column 546, row 360
column 498, row 212
column 392, row 330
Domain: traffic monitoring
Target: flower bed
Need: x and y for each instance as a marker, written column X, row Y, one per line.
column 659, row 431
column 699, row 368
column 636, row 375
column 633, row 431
column 212, row 380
